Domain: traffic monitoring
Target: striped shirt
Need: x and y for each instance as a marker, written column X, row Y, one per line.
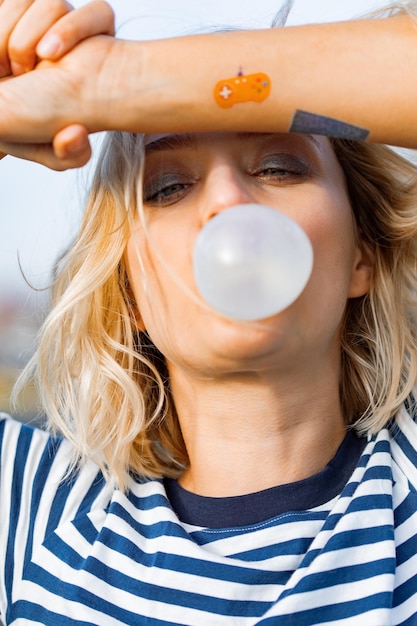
column 79, row 552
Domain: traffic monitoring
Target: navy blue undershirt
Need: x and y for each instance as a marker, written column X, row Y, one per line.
column 263, row 505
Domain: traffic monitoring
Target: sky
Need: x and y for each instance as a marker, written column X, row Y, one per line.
column 40, row 209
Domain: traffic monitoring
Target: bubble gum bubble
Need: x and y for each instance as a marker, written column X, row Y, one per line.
column 251, row 262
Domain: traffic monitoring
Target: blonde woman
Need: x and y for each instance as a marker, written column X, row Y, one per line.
column 203, row 470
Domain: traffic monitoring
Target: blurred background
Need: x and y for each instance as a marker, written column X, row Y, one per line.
column 41, row 209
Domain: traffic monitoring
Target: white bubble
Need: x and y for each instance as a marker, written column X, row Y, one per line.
column 251, row 262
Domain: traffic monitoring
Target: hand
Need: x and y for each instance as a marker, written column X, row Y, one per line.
column 45, row 114
column 46, row 29
column 32, row 30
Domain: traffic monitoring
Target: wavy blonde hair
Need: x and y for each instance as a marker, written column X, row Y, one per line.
column 379, row 337
column 104, row 386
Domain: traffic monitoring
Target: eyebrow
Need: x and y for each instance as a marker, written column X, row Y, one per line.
column 172, row 142
column 191, row 140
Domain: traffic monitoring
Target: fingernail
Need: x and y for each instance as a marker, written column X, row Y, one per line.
column 48, row 46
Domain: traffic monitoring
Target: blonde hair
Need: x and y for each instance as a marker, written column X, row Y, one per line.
column 102, row 384
column 395, row 8
column 379, row 338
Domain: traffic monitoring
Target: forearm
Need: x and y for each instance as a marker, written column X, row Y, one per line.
column 362, row 73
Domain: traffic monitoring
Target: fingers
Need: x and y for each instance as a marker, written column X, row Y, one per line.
column 94, row 18
column 22, row 25
column 70, row 149
column 47, row 29
column 10, row 13
column 72, row 143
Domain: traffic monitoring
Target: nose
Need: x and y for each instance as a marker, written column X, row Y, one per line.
column 224, row 187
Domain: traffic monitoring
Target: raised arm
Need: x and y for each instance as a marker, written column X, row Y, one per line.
column 359, row 73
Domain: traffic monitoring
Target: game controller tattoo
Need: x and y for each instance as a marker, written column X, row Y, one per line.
column 242, row 88
column 305, row 122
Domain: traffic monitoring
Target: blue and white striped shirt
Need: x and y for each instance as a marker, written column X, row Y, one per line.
column 80, row 552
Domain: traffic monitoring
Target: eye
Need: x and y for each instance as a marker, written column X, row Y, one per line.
column 282, row 167
column 164, row 194
column 165, row 190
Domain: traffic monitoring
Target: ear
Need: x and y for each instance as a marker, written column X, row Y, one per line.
column 362, row 270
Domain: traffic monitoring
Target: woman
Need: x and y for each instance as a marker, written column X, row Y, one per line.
column 225, row 475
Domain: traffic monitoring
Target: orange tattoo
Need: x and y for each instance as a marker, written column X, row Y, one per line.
column 242, row 88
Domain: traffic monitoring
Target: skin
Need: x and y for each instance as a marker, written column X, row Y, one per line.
column 258, row 404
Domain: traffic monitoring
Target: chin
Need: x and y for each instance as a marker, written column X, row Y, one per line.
column 245, row 342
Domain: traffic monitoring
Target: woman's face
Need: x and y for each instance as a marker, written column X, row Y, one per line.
column 188, row 180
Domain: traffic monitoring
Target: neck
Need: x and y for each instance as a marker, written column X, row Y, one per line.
column 247, row 433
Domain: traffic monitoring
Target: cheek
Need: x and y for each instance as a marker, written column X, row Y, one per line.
column 330, row 225
column 143, row 278
column 164, row 308
column 332, row 233
column 160, row 273
column 334, row 250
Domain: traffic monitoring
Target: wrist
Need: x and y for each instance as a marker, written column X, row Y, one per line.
column 161, row 88
column 116, row 102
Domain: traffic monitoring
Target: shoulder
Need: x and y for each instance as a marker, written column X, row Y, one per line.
column 25, row 449
column 35, row 469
